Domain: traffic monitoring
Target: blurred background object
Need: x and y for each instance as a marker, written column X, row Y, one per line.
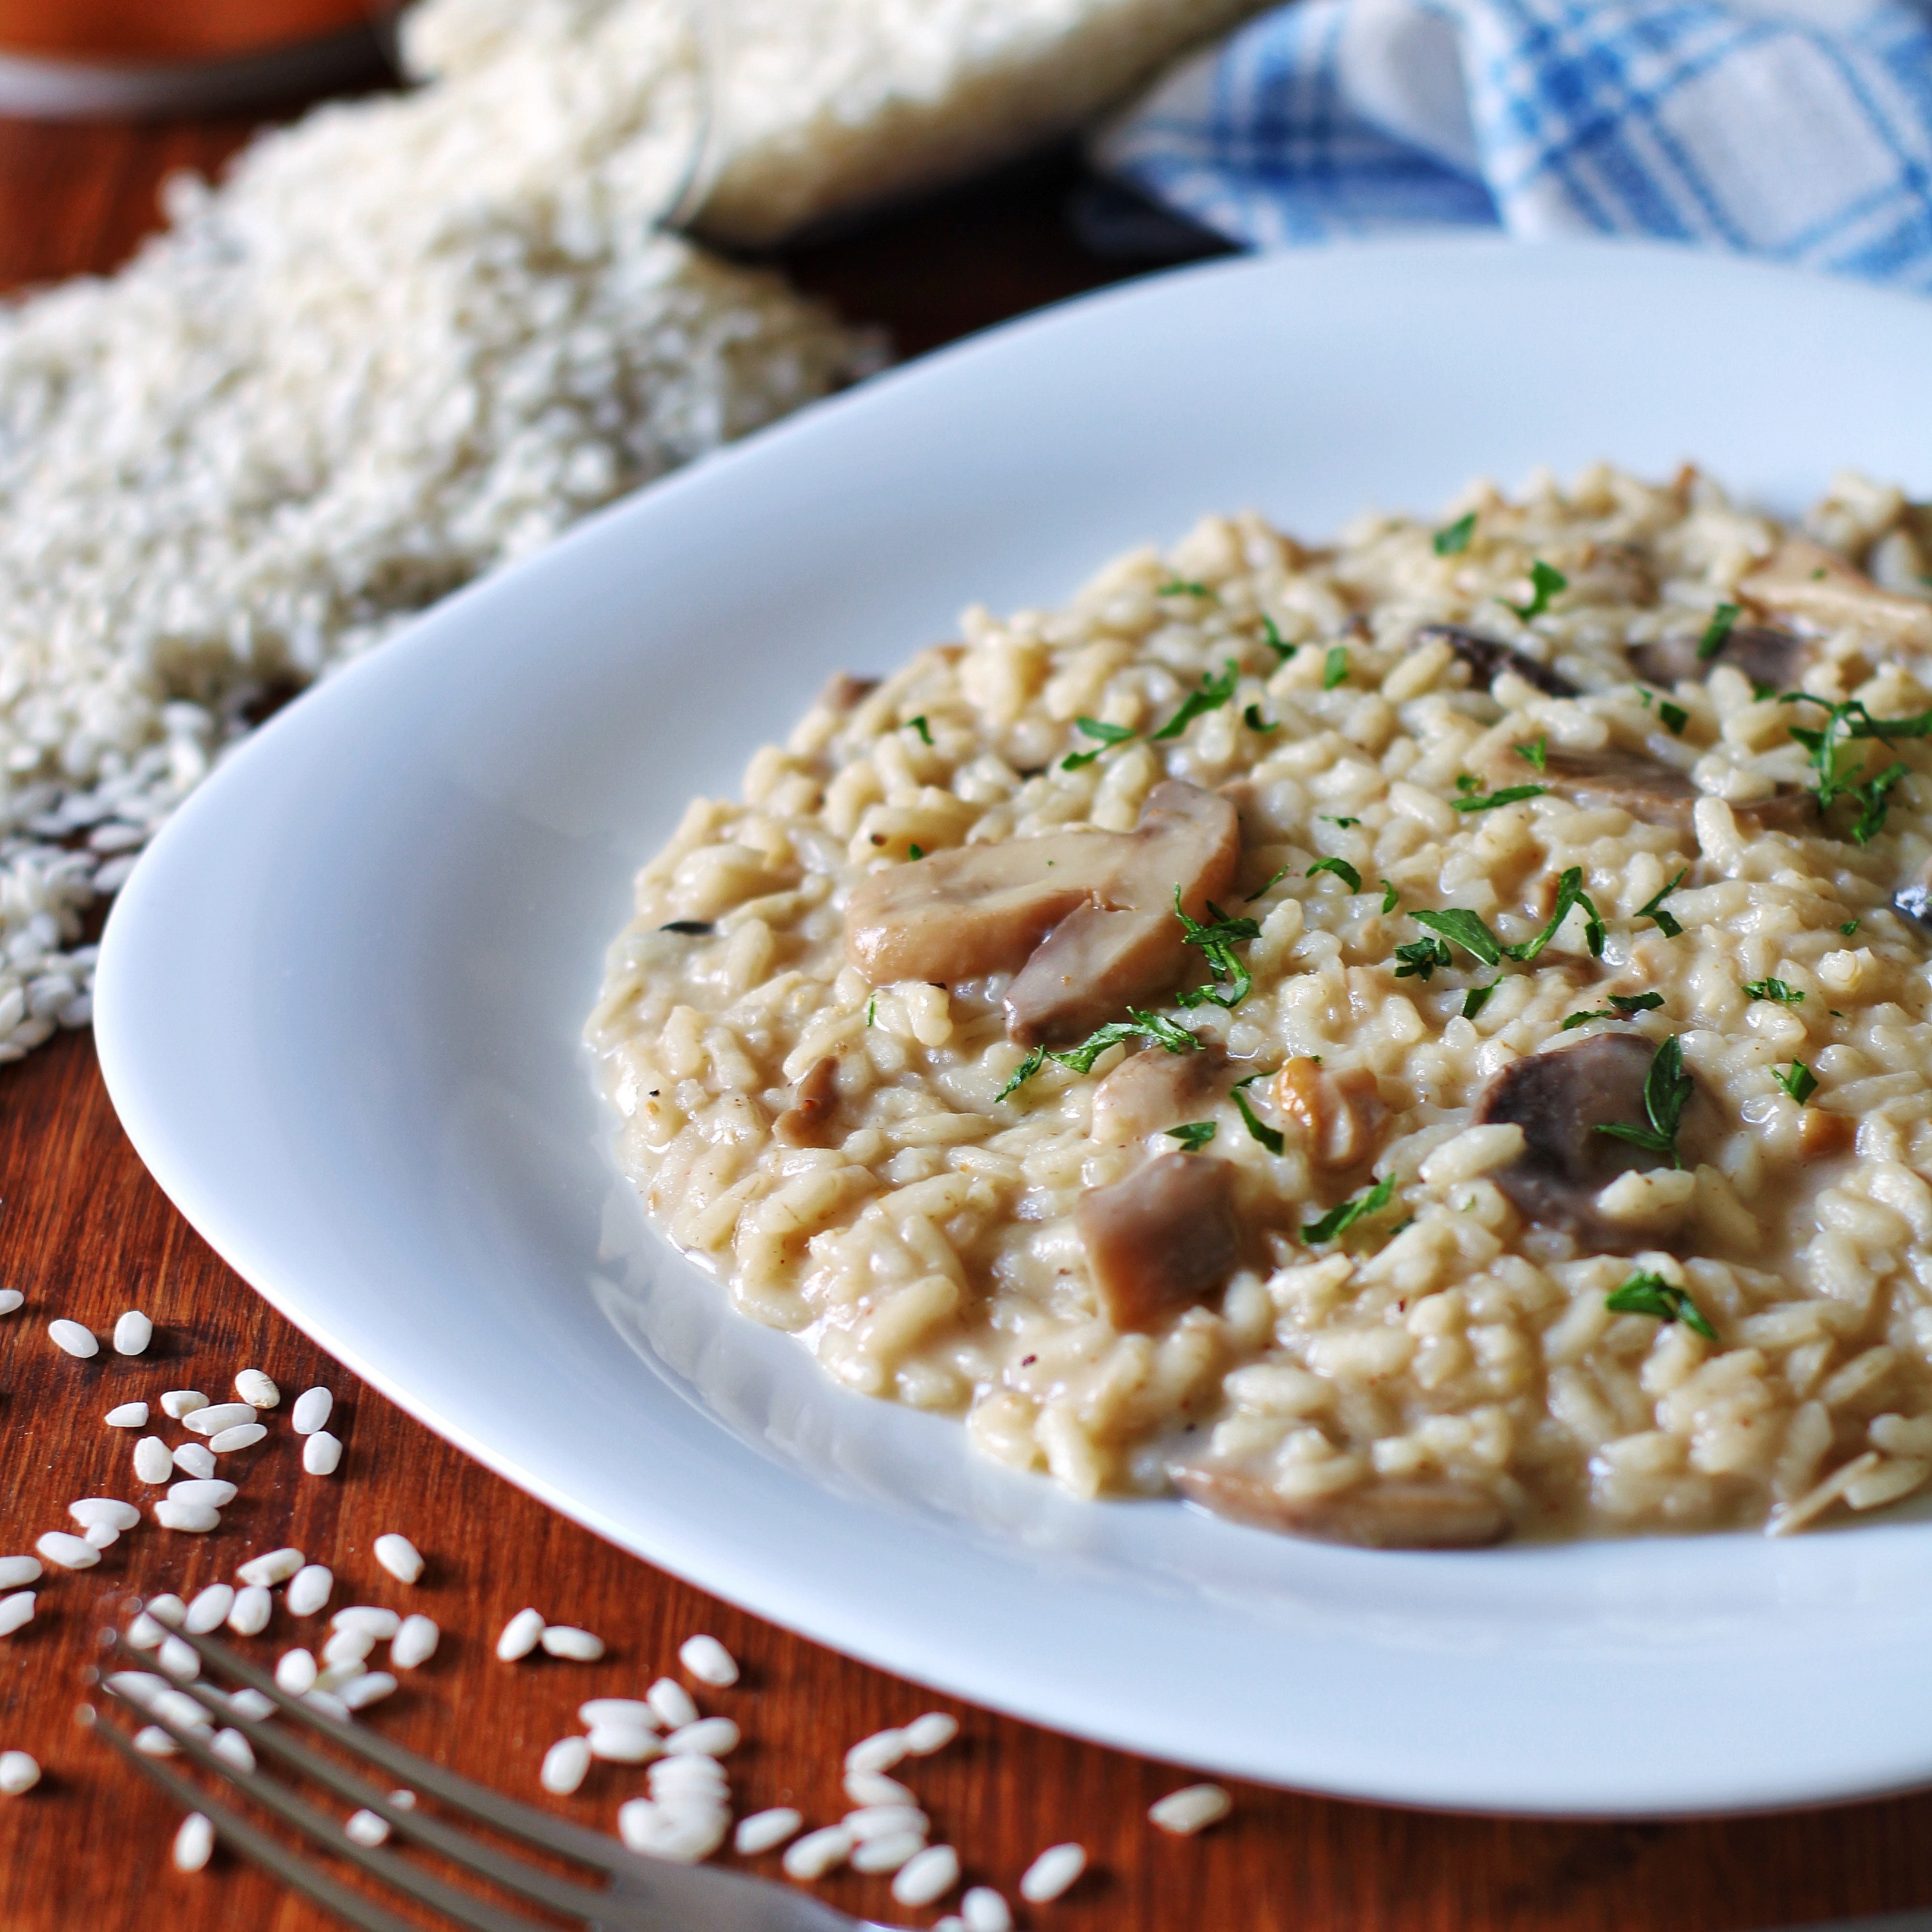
column 105, row 57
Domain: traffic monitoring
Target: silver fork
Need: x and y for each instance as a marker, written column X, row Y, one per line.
column 638, row 1894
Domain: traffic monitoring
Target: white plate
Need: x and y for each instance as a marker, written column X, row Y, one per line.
column 339, row 1002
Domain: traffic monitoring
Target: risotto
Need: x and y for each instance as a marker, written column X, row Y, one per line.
column 1415, row 1041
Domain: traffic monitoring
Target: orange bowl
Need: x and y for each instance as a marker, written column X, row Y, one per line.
column 142, row 31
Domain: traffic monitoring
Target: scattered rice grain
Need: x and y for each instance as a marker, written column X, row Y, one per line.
column 709, row 1661
column 888, row 1853
column 928, row 1875
column 322, row 1453
column 257, row 1390
column 15, row 1571
column 73, row 1338
column 244, row 1436
column 934, row 1731
column 880, row 1752
column 818, row 1852
column 1192, row 1808
column 197, row 1519
column 1052, row 1872
column 132, row 1333
column 209, row 1491
column 178, row 1404
column 398, row 1555
column 566, row 1640
column 195, row 1460
column 69, row 1552
column 153, row 1461
column 673, row 1704
column 414, row 1643
column 127, row 1415
column 709, row 1737
column 309, row 1589
column 983, row 1909
column 16, row 1611
column 209, row 1609
column 311, row 1411
column 766, row 1831
column 521, row 1635
column 210, row 1418
column 252, row 1608
column 194, row 1843
column 271, row 1567
column 295, row 1672
column 565, row 1765
column 18, row 1773
column 366, row 1828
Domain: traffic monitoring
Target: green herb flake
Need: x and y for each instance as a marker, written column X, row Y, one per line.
column 1336, row 1222
column 1536, row 752
column 1263, row 891
column 1716, row 632
column 1390, row 898
column 1652, row 1294
column 1799, row 1081
column 1254, row 721
column 1282, row 650
column 914, row 852
column 1675, row 716
column 1022, row 1073
column 1452, row 539
column 1840, row 771
column 1584, row 1019
column 1186, row 586
column 1329, row 818
column 1850, row 926
column 1342, row 870
column 1477, row 998
column 1774, row 990
column 1334, row 667
column 1488, row 801
column 1193, row 1136
column 1466, row 929
column 1654, row 909
column 1569, row 895
column 1258, row 1130
column 919, row 725
column 1214, row 692
column 1545, row 581
column 1629, row 1005
column 871, row 1013
column 1151, row 1027
column 1420, row 957
column 1232, row 981
column 1108, row 735
column 1667, row 1089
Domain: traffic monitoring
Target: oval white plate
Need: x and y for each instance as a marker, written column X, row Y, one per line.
column 339, row 1002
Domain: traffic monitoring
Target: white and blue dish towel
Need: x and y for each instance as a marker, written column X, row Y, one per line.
column 1801, row 131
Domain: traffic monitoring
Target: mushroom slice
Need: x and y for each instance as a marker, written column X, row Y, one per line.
column 814, row 1101
column 1154, row 1089
column 1560, row 1099
column 1653, row 792
column 1161, row 1239
column 1085, row 919
column 1417, row 1514
column 1805, row 580
column 1342, row 1114
column 1489, row 658
column 1767, row 655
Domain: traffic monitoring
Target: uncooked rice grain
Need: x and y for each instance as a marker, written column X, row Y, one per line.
column 69, row 1552
column 367, row 1689
column 309, row 1589
column 16, row 1611
column 166, row 1608
column 211, row 1418
column 321, row 1452
column 934, row 1731
column 257, row 1390
column 127, row 1415
column 18, row 1773
column 177, row 1657
column 566, row 1640
column 381, row 1623
column 252, row 1609
column 153, row 1462
column 1052, row 1872
column 1192, row 1808
column 709, row 1737
column 295, row 1671
column 87, row 1510
column 414, row 1643
column 624, row 1744
column 766, row 1831
column 195, row 1460
column 874, row 1787
column 880, row 1752
column 15, row 1571
column 132, row 1333
column 983, row 1909
column 815, row 1854
column 232, row 1747
column 154, row 1741
column 271, row 1566
column 101, row 1535
column 73, row 1338
column 888, row 1853
column 194, row 1843
column 176, row 1404
column 673, row 1704
column 632, row 1713
column 312, row 1411
column 927, row 1875
column 521, row 1635
column 243, row 1436
column 709, row 1661
column 399, row 1556
column 366, row 1828
column 209, row 1608
column 347, row 1646
column 211, row 1490
column 11, row 1298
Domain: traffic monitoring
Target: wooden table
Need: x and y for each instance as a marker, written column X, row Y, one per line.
column 86, row 1234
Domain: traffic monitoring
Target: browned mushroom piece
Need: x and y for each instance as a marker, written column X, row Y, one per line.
column 814, row 1102
column 1084, row 920
column 1154, row 1089
column 1652, row 792
column 844, row 692
column 1769, row 657
column 1341, row 1114
column 1444, row 1513
column 1560, row 1099
column 1161, row 1239
column 1804, row 581
column 1489, row 658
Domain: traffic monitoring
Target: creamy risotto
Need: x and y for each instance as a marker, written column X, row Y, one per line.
column 1416, row 1041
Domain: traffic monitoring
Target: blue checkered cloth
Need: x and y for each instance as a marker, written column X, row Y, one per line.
column 1804, row 134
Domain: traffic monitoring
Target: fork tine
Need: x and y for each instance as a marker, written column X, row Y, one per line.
column 487, row 1862
column 253, row 1844
column 449, row 1787
column 463, row 1907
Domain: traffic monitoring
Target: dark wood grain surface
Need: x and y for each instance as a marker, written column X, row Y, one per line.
column 85, row 1233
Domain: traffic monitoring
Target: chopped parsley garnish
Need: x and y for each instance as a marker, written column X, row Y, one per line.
column 1850, row 926
column 1329, row 818
column 1254, row 721
column 1774, row 990
column 1336, row 1222
column 919, row 725
column 1282, row 650
column 1257, row 1130
column 1390, row 896
column 1536, row 752
column 1477, row 998
column 1545, row 581
column 1214, row 692
column 1653, row 909
column 1467, row 930
column 1263, row 891
column 1840, row 771
column 1473, row 800
column 1138, row 1025
column 1420, row 958
column 871, row 1011
column 1108, row 734
column 1652, row 1294
column 1217, row 942
column 1569, row 895
column 1334, row 667
column 1799, row 1081
column 1452, row 539
column 1584, row 1019
column 914, row 852
column 1674, row 715
column 1622, row 1006
column 1716, row 632
column 1186, row 586
column 1342, row 870
column 1193, row 1136
column 1667, row 1089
